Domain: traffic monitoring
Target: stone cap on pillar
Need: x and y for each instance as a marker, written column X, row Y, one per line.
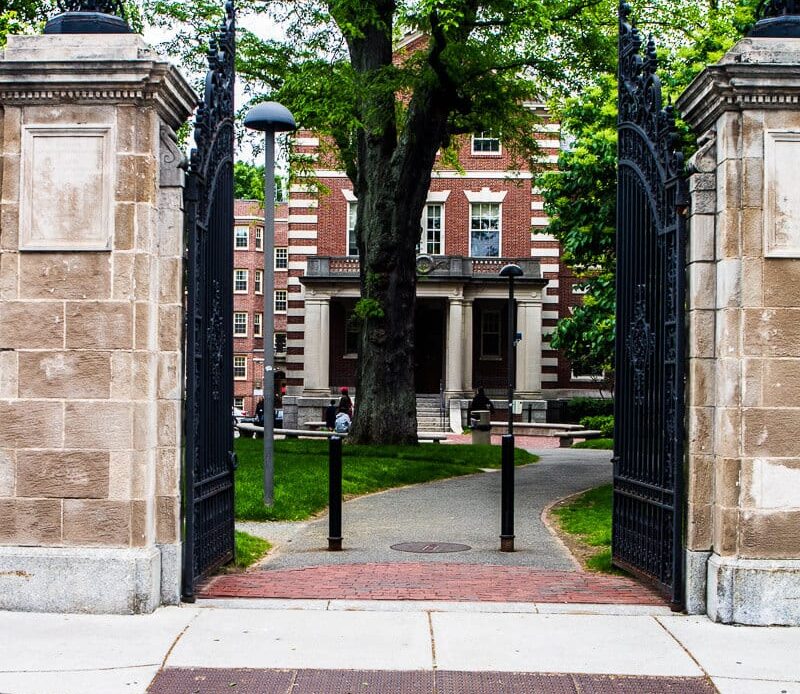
column 761, row 73
column 93, row 69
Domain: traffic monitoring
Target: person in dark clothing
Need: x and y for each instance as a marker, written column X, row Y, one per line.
column 260, row 412
column 330, row 415
column 345, row 403
column 480, row 402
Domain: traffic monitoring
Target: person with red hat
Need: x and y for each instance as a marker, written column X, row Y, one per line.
column 345, row 403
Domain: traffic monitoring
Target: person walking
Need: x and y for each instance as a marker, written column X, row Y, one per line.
column 480, row 402
column 345, row 403
column 330, row 415
column 260, row 412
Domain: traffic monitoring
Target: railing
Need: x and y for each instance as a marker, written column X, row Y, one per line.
column 321, row 266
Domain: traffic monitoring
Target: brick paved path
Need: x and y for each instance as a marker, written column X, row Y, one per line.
column 205, row 681
column 418, row 581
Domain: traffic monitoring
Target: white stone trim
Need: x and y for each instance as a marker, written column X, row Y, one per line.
column 303, row 203
column 781, row 193
column 537, row 204
column 549, row 144
column 485, row 195
column 550, row 315
column 540, row 221
column 437, row 196
column 306, row 141
column 537, row 236
column 549, row 378
column 303, row 219
column 301, row 234
column 546, row 252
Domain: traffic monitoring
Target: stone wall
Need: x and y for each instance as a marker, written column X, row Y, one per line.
column 743, row 530
column 90, row 324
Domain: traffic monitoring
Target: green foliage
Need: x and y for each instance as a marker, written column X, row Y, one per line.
column 603, row 423
column 301, row 472
column 588, row 517
column 248, row 181
column 368, row 308
column 596, row 444
column 249, row 549
column 578, row 408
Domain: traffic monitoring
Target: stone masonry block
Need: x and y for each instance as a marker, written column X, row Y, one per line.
column 169, row 422
column 753, row 134
column 729, row 283
column 62, row 475
column 98, row 425
column 771, row 484
column 167, row 519
column 771, row 432
column 700, row 430
column 10, row 166
column 701, row 334
column 142, row 527
column 143, row 312
column 752, row 229
column 752, row 294
column 168, row 471
column 123, row 284
column 9, row 275
column 99, row 325
column 728, row 431
column 169, row 376
column 78, row 375
column 727, row 337
column 753, row 188
column 70, row 113
column 134, row 130
column 727, row 484
column 8, row 472
column 728, row 227
column 701, row 237
column 144, row 375
column 752, row 382
column 772, row 332
column 726, row 530
column 144, row 426
column 729, row 136
column 30, row 521
column 766, row 535
column 93, row 522
column 9, row 378
column 701, row 382
column 701, row 285
column 781, row 283
column 729, row 185
column 142, row 276
column 170, row 328
column 136, row 178
column 11, row 129
column 31, row 424
column 124, row 225
column 65, row 276
column 727, row 382
column 19, row 318
column 120, row 472
column 781, row 383
column 170, row 286
column 701, row 479
column 9, row 226
column 698, row 525
column 121, row 369
column 146, row 238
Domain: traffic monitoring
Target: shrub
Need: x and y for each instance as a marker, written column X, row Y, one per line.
column 578, row 408
column 604, row 423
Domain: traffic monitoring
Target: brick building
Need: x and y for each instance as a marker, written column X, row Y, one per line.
column 475, row 221
column 248, row 301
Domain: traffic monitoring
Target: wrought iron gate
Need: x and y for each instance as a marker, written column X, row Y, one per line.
column 210, row 460
column 648, row 442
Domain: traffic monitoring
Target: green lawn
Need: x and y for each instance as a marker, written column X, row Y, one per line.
column 603, row 444
column 301, row 472
column 588, row 517
column 249, row 549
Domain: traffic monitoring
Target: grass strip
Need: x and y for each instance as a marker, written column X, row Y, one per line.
column 588, row 518
column 598, row 444
column 249, row 549
column 301, row 472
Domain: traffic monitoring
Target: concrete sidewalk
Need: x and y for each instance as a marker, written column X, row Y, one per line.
column 329, row 647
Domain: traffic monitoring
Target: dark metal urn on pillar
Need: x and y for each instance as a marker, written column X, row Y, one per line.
column 777, row 19
column 89, row 17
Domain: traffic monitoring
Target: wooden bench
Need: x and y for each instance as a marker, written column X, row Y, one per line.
column 535, row 428
column 567, row 438
column 307, row 433
column 256, row 431
column 315, row 425
column 432, row 436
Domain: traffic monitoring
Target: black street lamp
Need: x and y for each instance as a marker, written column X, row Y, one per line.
column 507, row 483
column 269, row 117
column 89, row 17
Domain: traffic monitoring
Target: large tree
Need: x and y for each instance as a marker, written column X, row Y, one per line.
column 388, row 114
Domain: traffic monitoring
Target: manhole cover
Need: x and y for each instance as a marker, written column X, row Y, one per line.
column 430, row 547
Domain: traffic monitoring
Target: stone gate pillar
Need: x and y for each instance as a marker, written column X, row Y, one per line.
column 91, row 301
column 743, row 534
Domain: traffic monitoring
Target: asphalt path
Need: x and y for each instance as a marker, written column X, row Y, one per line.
column 463, row 510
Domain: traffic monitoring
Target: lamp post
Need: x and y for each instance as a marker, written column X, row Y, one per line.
column 269, row 117
column 507, row 483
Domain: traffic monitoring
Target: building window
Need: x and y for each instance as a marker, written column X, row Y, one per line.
column 259, row 234
column 239, row 367
column 240, row 281
column 241, row 238
column 431, row 240
column 352, row 212
column 258, row 282
column 485, row 143
column 484, row 225
column 238, row 403
column 490, row 335
column 239, row 324
column 258, row 321
column 281, row 258
column 280, row 301
column 280, row 343
column 352, row 333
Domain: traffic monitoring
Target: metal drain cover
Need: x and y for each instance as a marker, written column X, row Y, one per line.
column 430, row 547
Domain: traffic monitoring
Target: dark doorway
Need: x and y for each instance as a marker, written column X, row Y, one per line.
column 429, row 352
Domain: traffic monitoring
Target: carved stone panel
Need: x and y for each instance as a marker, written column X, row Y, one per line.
column 66, row 197
column 782, row 194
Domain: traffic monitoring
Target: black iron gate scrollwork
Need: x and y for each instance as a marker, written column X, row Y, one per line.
column 209, row 459
column 648, row 443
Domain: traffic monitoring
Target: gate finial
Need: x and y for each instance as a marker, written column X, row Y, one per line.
column 777, row 19
column 89, row 17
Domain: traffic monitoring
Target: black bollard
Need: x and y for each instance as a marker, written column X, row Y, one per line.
column 507, row 495
column 335, row 494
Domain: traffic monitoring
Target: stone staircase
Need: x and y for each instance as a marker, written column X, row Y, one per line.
column 429, row 417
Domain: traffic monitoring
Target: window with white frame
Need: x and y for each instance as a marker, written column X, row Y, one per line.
column 259, row 238
column 239, row 324
column 432, row 225
column 241, row 236
column 281, row 258
column 258, row 282
column 280, row 343
column 240, row 281
column 280, row 301
column 485, row 143
column 239, row 367
column 258, row 321
column 238, row 403
column 352, row 212
column 484, row 229
column 490, row 334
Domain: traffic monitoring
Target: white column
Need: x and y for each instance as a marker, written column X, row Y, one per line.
column 467, row 346
column 529, row 350
column 455, row 347
column 316, row 356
